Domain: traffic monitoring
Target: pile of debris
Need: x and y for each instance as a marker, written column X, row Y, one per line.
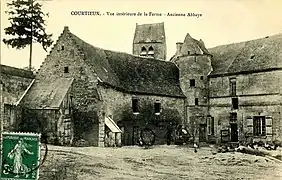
column 257, row 148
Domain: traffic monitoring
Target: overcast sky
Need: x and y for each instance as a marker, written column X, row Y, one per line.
column 222, row 22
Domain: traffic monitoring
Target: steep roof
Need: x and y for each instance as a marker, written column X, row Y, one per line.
column 253, row 55
column 193, row 45
column 131, row 73
column 149, row 33
column 16, row 72
column 15, row 83
column 47, row 93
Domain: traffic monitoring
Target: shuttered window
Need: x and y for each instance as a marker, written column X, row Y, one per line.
column 210, row 125
column 268, row 122
column 250, row 126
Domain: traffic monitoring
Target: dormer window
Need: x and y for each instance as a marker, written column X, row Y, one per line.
column 143, row 51
column 151, row 51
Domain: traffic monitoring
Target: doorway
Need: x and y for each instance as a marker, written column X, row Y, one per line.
column 202, row 133
column 234, row 132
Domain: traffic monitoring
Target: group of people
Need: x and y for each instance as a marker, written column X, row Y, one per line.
column 177, row 135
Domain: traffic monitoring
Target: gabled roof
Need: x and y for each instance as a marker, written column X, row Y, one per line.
column 149, row 33
column 259, row 54
column 131, row 73
column 193, row 45
column 47, row 94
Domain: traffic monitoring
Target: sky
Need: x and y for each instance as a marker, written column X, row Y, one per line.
column 222, row 22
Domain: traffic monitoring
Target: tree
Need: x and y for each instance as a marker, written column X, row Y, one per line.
column 27, row 25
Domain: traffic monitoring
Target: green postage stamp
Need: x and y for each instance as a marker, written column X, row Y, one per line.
column 20, row 156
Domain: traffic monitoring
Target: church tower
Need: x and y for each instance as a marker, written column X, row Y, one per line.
column 150, row 41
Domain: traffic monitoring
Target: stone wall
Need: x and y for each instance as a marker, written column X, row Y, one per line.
column 259, row 94
column 195, row 67
column 159, row 49
column 85, row 100
column 118, row 106
column 55, row 124
column 15, row 82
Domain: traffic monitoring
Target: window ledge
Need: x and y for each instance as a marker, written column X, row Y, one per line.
column 262, row 136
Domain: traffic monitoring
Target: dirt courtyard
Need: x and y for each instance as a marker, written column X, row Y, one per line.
column 159, row 162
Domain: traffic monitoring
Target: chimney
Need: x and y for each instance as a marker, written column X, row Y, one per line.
column 178, row 47
column 66, row 28
column 201, row 41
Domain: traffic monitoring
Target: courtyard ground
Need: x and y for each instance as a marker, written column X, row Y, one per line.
column 159, row 162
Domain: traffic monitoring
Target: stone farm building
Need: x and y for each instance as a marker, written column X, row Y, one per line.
column 228, row 93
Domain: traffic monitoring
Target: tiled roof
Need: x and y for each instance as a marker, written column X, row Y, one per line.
column 193, row 46
column 16, row 72
column 253, row 55
column 47, row 93
column 132, row 73
column 149, row 33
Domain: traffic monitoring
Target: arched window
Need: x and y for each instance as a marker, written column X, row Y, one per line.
column 151, row 51
column 143, row 51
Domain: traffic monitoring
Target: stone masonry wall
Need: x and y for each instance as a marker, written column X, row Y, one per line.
column 15, row 83
column 118, row 105
column 197, row 68
column 258, row 94
column 159, row 49
column 86, row 104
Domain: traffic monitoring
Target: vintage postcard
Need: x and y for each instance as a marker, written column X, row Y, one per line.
column 159, row 89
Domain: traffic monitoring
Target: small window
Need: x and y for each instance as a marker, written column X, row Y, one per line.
column 188, row 52
column 143, row 51
column 157, row 107
column 252, row 56
column 233, row 117
column 202, row 77
column 259, row 125
column 135, row 108
column 196, row 101
column 151, row 51
column 192, row 82
column 66, row 69
column 232, row 82
column 235, row 103
column 62, row 47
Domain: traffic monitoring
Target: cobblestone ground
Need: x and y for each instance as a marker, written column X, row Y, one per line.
column 159, row 162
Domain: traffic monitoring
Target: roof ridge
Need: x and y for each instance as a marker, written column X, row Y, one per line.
column 122, row 52
column 160, row 23
column 245, row 41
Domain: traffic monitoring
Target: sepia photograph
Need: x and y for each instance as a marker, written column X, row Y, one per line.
column 141, row 90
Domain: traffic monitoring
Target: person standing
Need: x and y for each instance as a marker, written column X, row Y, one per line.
column 169, row 133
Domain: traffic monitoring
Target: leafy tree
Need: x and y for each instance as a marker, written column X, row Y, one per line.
column 27, row 25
